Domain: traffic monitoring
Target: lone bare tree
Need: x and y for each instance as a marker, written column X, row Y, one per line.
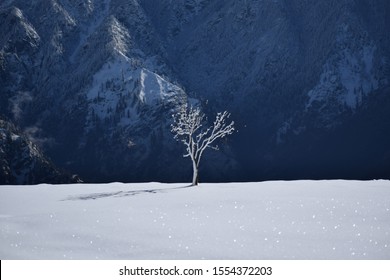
column 190, row 127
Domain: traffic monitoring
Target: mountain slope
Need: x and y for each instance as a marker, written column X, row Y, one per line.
column 22, row 162
column 101, row 79
column 288, row 70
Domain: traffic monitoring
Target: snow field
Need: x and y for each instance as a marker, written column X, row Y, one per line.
column 268, row 220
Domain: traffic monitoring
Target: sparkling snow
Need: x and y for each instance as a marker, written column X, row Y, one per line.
column 268, row 220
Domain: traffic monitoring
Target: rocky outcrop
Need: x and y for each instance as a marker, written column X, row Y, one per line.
column 22, row 162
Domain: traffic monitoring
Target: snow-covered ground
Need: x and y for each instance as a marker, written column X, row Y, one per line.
column 268, row 220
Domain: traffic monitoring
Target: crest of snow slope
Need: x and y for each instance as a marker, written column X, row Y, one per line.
column 123, row 87
column 349, row 74
column 269, row 220
column 128, row 82
column 25, row 29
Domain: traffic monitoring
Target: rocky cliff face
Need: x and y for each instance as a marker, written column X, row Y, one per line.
column 291, row 72
column 22, row 162
column 96, row 82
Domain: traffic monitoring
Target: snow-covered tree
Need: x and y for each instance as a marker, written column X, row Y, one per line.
column 190, row 127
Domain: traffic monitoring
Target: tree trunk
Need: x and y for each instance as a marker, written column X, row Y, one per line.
column 195, row 174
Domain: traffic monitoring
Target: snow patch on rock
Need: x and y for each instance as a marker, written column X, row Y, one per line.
column 347, row 76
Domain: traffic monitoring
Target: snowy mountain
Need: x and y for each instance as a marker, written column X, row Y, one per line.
column 307, row 84
column 22, row 162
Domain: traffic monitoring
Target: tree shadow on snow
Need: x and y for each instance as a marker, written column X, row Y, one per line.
column 94, row 196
